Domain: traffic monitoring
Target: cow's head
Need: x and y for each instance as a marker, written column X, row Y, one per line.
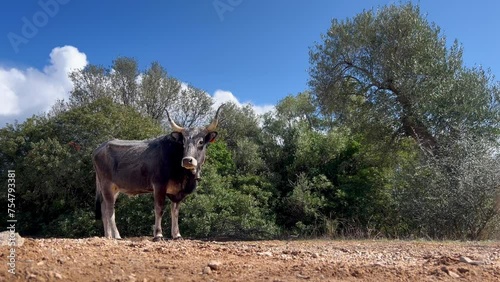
column 195, row 141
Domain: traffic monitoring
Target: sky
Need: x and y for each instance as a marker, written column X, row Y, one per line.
column 245, row 51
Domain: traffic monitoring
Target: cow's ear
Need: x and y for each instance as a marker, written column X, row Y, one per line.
column 177, row 136
column 210, row 138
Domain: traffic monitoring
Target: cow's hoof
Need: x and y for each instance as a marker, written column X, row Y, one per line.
column 178, row 238
column 157, row 239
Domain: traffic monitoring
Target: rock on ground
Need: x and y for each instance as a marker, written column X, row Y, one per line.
column 7, row 238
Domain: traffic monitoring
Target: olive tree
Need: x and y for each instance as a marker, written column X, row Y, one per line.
column 454, row 195
column 389, row 73
column 124, row 80
column 389, row 77
column 89, row 84
column 159, row 92
column 193, row 107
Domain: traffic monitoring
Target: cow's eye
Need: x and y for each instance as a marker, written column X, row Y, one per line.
column 201, row 142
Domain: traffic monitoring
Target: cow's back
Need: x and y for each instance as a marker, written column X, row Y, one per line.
column 130, row 165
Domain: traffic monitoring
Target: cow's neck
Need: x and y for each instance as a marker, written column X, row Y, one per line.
column 188, row 184
column 186, row 178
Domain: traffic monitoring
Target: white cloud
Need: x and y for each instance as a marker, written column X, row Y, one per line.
column 9, row 105
column 223, row 96
column 139, row 79
column 184, row 86
column 30, row 91
column 263, row 109
column 24, row 92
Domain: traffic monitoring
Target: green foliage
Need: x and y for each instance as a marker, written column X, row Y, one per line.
column 124, row 80
column 389, row 73
column 74, row 224
column 238, row 124
column 221, row 158
column 192, row 107
column 305, row 205
column 329, row 180
column 158, row 91
column 52, row 159
column 151, row 94
column 135, row 215
column 397, row 138
column 453, row 195
column 227, row 208
column 56, row 182
column 387, row 76
column 89, row 84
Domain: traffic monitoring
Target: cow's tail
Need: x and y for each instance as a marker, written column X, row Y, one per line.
column 98, row 198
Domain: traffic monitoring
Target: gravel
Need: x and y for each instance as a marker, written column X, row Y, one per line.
column 140, row 259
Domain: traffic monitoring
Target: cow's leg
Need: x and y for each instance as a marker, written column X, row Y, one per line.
column 109, row 195
column 105, row 220
column 101, row 204
column 174, row 212
column 114, row 229
column 159, row 198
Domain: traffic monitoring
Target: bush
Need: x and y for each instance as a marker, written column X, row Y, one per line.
column 227, row 207
column 453, row 195
column 135, row 215
column 305, row 206
column 52, row 158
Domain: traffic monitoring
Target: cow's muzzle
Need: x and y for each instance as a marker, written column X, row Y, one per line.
column 189, row 163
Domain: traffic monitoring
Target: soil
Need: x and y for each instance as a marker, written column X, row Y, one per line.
column 140, row 259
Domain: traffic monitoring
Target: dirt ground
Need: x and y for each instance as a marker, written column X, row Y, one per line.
column 140, row 259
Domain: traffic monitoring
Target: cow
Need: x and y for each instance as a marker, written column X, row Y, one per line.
column 168, row 166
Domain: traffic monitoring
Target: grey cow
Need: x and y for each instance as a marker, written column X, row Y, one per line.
column 168, row 166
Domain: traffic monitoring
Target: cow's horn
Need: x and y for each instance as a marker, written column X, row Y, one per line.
column 175, row 127
column 213, row 125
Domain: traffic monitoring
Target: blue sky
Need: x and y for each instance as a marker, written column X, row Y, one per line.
column 254, row 51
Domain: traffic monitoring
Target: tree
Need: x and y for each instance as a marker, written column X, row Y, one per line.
column 124, row 80
column 389, row 73
column 89, row 84
column 159, row 92
column 193, row 108
column 294, row 123
column 151, row 93
column 239, row 128
column 299, row 108
column 326, row 181
column 454, row 195
column 389, row 78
